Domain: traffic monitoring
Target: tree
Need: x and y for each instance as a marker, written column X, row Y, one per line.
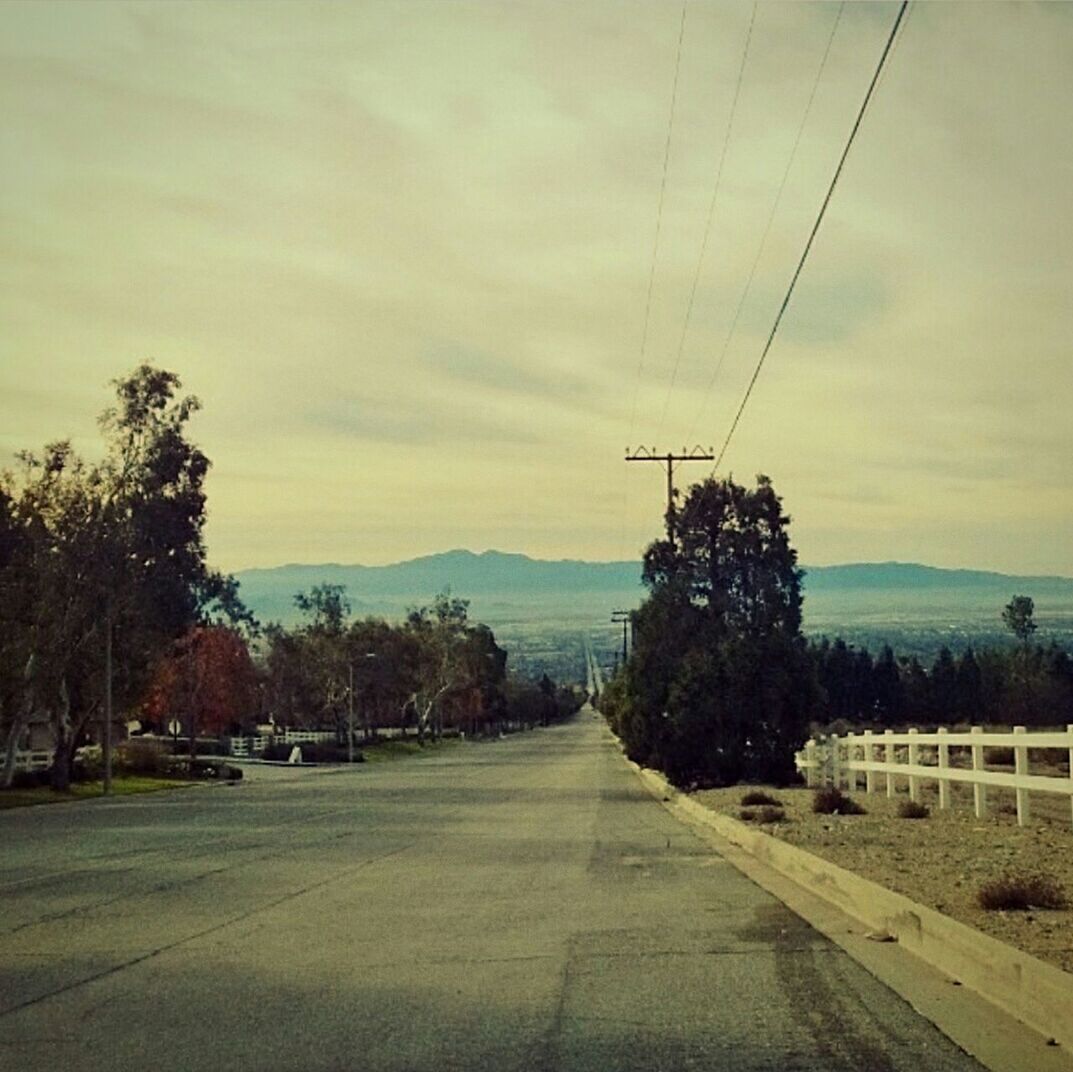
column 720, row 685
column 112, row 550
column 970, row 699
column 1017, row 616
column 944, row 686
column 438, row 631
column 324, row 657
column 888, row 688
column 207, row 681
column 917, row 685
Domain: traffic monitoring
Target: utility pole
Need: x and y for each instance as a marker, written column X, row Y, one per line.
column 107, row 735
column 350, row 717
column 625, row 617
column 697, row 454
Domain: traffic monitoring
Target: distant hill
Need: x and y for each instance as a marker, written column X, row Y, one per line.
column 501, row 586
column 905, row 576
column 516, row 588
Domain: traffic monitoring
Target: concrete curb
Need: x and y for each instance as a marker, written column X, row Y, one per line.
column 1036, row 993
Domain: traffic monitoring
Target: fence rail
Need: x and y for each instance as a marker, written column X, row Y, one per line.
column 32, row 759
column 840, row 761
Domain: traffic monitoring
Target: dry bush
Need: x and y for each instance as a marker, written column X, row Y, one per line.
column 912, row 809
column 830, row 800
column 758, row 796
column 1022, row 892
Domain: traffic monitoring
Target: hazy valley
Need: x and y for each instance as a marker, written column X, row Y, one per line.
column 543, row 610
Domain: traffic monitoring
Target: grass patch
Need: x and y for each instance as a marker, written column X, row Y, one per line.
column 401, row 747
column 757, row 797
column 830, row 800
column 122, row 786
column 913, row 809
column 1019, row 893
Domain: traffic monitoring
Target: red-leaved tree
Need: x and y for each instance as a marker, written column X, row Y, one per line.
column 207, row 681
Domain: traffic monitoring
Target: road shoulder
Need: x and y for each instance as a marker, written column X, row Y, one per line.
column 993, row 1036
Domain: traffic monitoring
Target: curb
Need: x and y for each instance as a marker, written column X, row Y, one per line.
column 1033, row 992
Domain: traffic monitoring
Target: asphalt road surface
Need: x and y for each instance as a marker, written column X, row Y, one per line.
column 516, row 904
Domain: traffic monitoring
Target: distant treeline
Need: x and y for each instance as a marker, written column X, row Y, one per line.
column 436, row 670
column 1027, row 685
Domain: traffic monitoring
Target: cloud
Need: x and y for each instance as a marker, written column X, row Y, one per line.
column 403, row 255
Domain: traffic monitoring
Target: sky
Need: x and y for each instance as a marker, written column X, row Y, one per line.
column 428, row 266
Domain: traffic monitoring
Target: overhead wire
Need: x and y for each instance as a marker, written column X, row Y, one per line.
column 659, row 220
column 708, row 222
column 815, row 228
column 767, row 229
column 655, row 252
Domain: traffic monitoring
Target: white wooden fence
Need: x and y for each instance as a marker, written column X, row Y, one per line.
column 840, row 761
column 244, row 747
column 307, row 736
column 32, row 759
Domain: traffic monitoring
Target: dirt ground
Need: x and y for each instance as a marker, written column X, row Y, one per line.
column 942, row 860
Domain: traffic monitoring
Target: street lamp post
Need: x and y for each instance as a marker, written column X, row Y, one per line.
column 350, row 708
column 350, row 718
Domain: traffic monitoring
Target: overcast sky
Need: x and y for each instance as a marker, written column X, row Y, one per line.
column 402, row 253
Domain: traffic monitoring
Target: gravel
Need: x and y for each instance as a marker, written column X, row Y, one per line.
column 942, row 860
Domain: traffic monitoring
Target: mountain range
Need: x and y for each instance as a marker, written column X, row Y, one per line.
column 506, row 587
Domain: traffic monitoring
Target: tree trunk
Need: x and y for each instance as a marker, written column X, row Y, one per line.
column 11, row 745
column 61, row 758
column 20, row 720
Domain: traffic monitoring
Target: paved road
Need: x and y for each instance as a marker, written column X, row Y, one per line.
column 520, row 904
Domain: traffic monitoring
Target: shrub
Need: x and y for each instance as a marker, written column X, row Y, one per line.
column 758, row 796
column 766, row 814
column 32, row 779
column 830, row 800
column 999, row 757
column 87, row 764
column 913, row 809
column 1021, row 892
column 207, row 746
column 140, row 757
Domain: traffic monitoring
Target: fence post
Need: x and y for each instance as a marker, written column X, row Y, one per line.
column 836, row 764
column 944, row 762
column 869, row 775
column 914, row 759
column 851, row 748
column 810, row 761
column 1020, row 767
column 888, row 759
column 979, row 790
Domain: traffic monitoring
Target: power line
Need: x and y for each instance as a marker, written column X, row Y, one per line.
column 655, row 256
column 659, row 220
column 767, row 230
column 644, row 454
column 708, row 222
column 815, row 229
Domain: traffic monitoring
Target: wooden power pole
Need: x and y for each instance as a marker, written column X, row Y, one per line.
column 626, row 618
column 643, row 454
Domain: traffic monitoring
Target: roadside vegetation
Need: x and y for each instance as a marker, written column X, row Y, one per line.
column 1021, row 893
column 719, row 687
column 123, row 785
column 435, row 672
column 107, row 602
column 1022, row 683
column 103, row 564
